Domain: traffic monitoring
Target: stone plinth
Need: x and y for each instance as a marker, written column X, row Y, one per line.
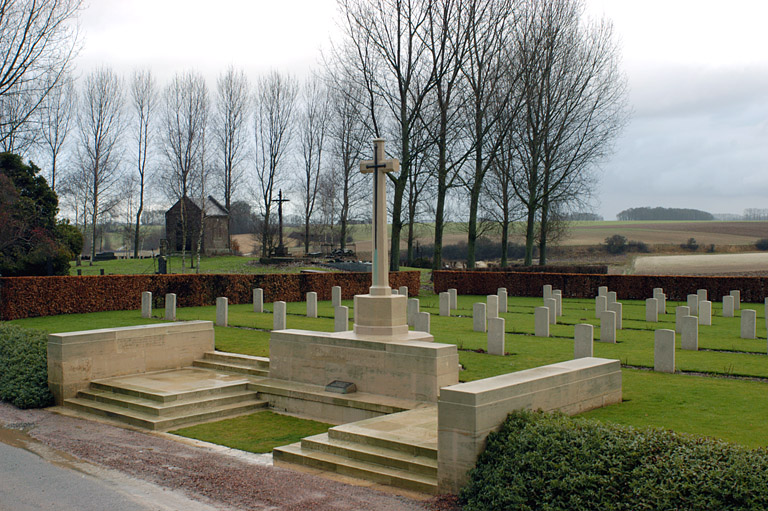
column 408, row 367
column 468, row 412
column 76, row 358
column 382, row 316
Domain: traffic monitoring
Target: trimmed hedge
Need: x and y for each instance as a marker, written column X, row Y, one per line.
column 24, row 367
column 551, row 461
column 628, row 287
column 23, row 297
column 594, row 269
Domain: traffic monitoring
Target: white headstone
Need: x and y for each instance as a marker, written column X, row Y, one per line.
column 736, row 294
column 354, row 309
column 583, row 341
column 496, row 336
column 445, row 304
column 611, row 297
column 493, row 306
column 551, row 305
column 664, row 351
column 278, row 319
column 602, row 291
column 454, row 298
column 412, row 310
column 617, row 308
column 146, row 304
column 395, row 292
column 222, row 311
column 652, row 310
column 680, row 313
column 502, row 294
column 693, row 304
column 311, row 304
column 748, row 324
column 766, row 313
column 336, row 296
column 728, row 306
column 705, row 312
column 661, row 300
column 478, row 317
column 404, row 290
column 258, row 300
column 601, row 305
column 422, row 322
column 170, row 307
column 702, row 294
column 608, row 326
column 340, row 318
column 689, row 337
column 558, row 296
column 541, row 322
column 546, row 291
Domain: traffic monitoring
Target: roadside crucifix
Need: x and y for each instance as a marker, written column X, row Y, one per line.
column 280, row 251
column 379, row 167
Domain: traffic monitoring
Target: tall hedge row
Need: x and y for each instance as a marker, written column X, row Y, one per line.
column 543, row 461
column 629, row 287
column 22, row 297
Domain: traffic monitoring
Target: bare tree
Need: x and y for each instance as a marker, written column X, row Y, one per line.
column 144, row 96
column 38, row 39
column 185, row 118
column 388, row 40
column 100, row 127
column 273, row 126
column 56, row 115
column 313, row 127
column 574, row 107
column 230, row 130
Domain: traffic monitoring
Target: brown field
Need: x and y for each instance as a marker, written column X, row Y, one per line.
column 656, row 233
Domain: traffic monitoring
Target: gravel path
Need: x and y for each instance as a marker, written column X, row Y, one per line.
column 216, row 478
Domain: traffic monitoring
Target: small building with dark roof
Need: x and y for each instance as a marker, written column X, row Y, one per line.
column 215, row 226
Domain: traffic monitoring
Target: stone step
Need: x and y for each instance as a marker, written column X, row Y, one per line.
column 167, row 397
column 353, row 434
column 167, row 409
column 237, row 359
column 230, row 367
column 329, row 462
column 371, row 454
column 144, row 420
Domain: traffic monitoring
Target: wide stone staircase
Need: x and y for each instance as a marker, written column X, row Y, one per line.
column 217, row 387
column 396, row 450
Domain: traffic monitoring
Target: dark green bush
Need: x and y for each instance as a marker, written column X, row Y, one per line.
column 24, row 367
column 554, row 462
column 691, row 245
column 762, row 244
column 616, row 244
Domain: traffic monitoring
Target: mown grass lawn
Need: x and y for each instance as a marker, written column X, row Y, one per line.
column 716, row 405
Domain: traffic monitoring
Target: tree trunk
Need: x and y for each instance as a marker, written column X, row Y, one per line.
column 474, row 200
column 530, row 235
column 504, row 239
column 437, row 254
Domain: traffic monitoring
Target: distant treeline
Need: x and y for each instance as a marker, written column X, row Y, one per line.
column 663, row 214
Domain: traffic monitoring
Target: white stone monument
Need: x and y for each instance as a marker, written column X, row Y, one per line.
column 496, row 336
column 222, row 311
column 601, row 305
column 680, row 313
column 541, row 321
column 312, row 304
column 413, row 309
column 558, row 296
column 702, row 294
column 503, row 302
column 689, row 337
column 454, row 298
column 602, row 291
column 728, row 307
column 422, row 322
column 661, row 298
column 403, row 291
column 340, row 318
column 493, row 306
column 583, row 340
column 278, row 316
column 705, row 312
column 608, row 326
column 146, row 304
column 478, row 317
column 618, row 309
column 445, row 303
column 652, row 310
column 551, row 305
column 664, row 351
column 693, row 304
column 170, row 307
column 546, row 291
column 748, row 324
column 612, row 298
column 336, row 296
column 736, row 294
column 258, row 300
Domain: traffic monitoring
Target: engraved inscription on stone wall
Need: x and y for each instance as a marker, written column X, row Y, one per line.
column 140, row 342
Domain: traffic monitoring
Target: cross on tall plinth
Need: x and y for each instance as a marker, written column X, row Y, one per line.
column 280, row 252
column 379, row 166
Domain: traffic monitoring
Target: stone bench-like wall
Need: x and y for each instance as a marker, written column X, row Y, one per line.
column 468, row 412
column 77, row 358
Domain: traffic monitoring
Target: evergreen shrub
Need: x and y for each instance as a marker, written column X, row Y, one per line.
column 24, row 367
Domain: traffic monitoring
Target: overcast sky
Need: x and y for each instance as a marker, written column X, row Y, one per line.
column 697, row 70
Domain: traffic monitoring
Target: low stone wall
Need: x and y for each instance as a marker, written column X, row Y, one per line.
column 412, row 368
column 77, row 358
column 577, row 285
column 468, row 412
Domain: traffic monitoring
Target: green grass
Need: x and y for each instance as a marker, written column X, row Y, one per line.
column 217, row 264
column 721, row 407
column 259, row 432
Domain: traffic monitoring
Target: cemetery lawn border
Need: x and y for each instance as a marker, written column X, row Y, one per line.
column 258, row 432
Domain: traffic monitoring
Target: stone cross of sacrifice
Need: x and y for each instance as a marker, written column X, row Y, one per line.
column 379, row 167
